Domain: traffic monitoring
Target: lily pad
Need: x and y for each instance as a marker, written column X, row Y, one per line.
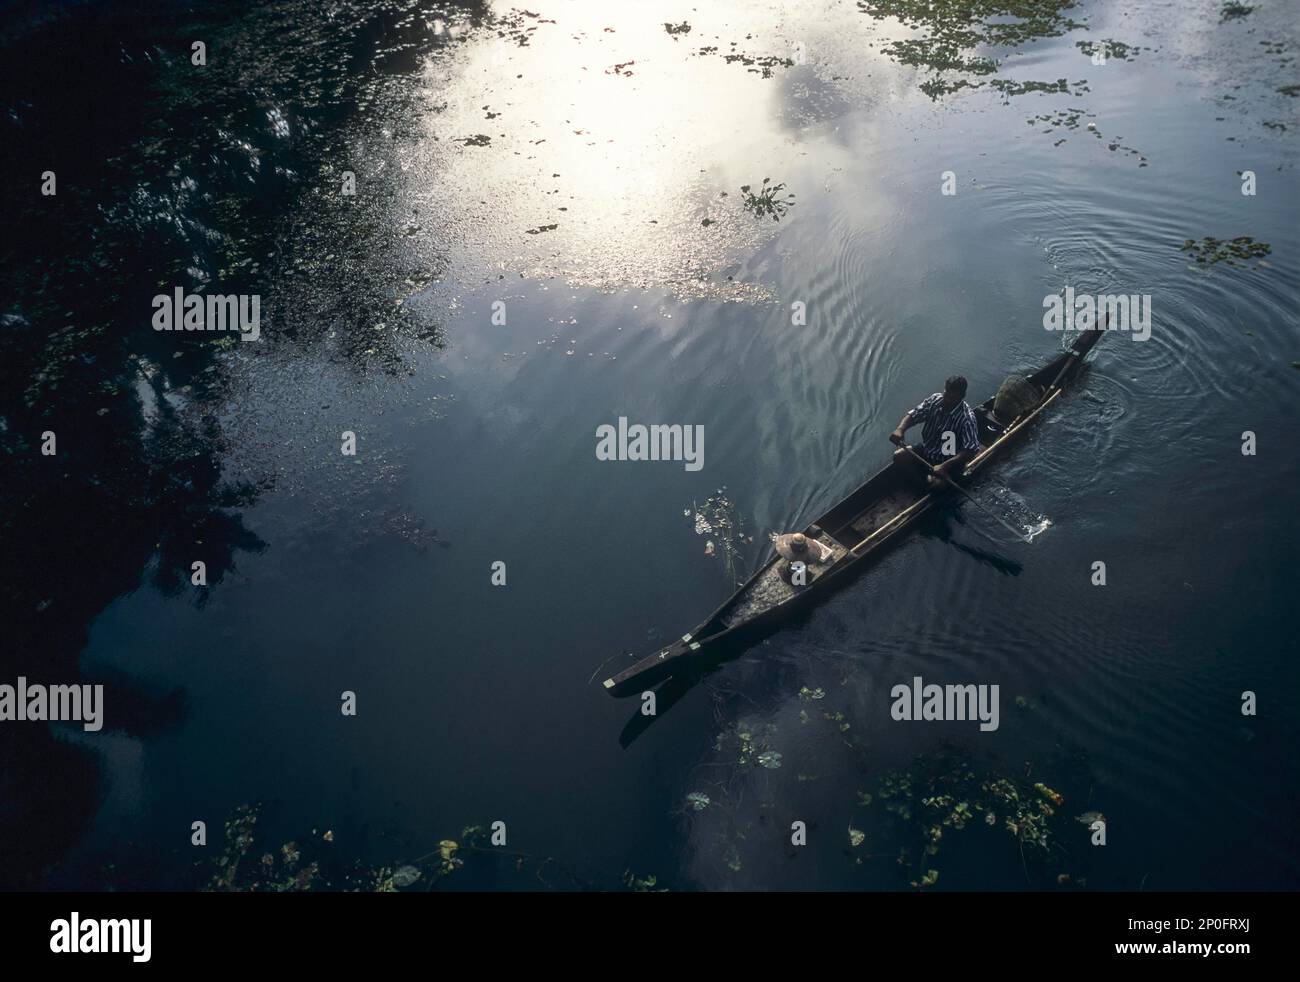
column 405, row 876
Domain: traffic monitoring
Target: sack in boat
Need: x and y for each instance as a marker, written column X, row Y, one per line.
column 1017, row 395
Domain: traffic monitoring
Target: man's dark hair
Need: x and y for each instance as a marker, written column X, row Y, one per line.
column 956, row 383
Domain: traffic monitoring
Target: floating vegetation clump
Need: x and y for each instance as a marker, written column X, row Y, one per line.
column 907, row 823
column 274, row 872
column 1234, row 11
column 646, row 884
column 765, row 201
column 1069, row 119
column 948, row 34
column 716, row 518
column 1009, row 87
column 758, row 64
column 935, row 87
column 1108, row 49
column 1211, row 250
column 698, row 800
column 944, row 793
column 751, row 745
column 248, row 864
column 940, row 57
column 747, row 763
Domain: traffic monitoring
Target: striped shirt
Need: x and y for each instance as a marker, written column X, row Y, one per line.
column 960, row 421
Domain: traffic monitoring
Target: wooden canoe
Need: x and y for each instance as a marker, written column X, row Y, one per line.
column 858, row 528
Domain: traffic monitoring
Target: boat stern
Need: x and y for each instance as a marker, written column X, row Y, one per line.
column 652, row 669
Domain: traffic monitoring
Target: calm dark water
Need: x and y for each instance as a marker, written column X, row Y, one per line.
column 656, row 295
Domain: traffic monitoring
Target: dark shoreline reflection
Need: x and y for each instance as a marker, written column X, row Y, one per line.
column 160, row 180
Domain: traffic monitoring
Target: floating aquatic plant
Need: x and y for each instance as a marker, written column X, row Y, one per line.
column 949, row 34
column 405, row 876
column 642, row 884
column 311, row 862
column 838, row 719
column 765, row 202
column 732, row 858
column 1010, row 87
column 698, row 800
column 716, row 518
column 1234, row 11
column 944, row 793
column 1211, row 250
column 760, row 64
column 1069, row 119
column 1110, row 49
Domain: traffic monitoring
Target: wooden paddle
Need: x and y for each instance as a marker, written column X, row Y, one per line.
column 970, row 497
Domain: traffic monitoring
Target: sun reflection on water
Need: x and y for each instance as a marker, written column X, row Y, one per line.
column 601, row 146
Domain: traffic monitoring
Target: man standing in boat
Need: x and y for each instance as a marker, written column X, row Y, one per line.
column 949, row 433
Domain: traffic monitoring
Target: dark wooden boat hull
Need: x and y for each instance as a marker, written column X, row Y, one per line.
column 860, row 527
